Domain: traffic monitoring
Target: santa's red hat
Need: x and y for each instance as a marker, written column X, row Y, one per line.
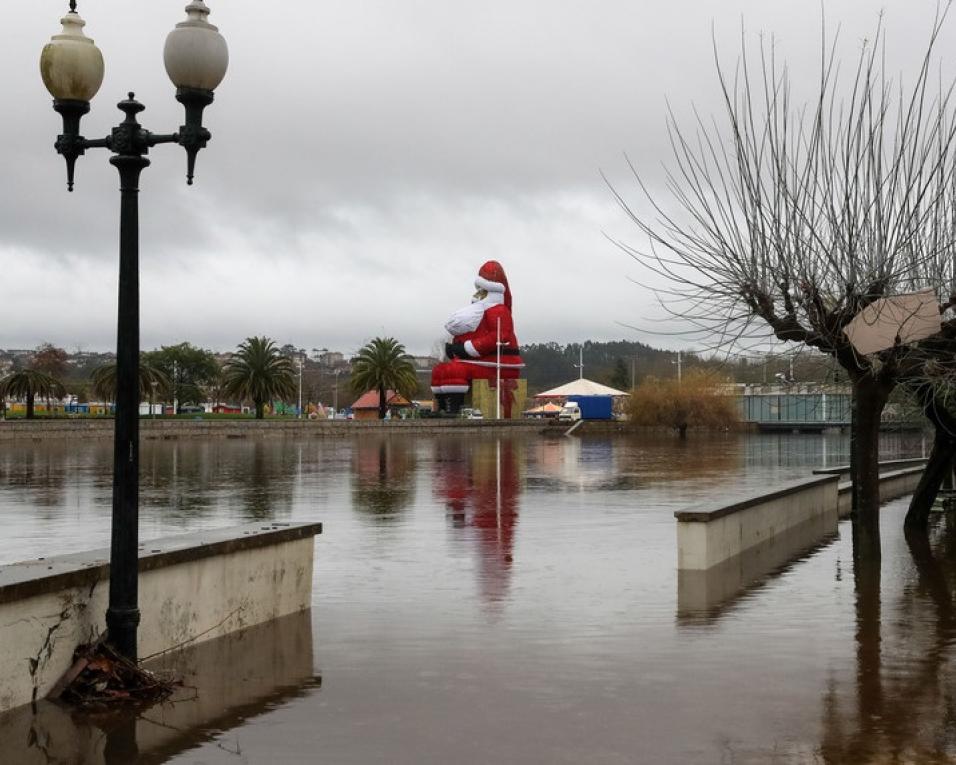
column 491, row 278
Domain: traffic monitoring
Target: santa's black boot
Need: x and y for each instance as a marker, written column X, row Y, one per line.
column 455, row 402
column 440, row 403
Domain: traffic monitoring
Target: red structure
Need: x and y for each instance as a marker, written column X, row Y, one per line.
column 476, row 330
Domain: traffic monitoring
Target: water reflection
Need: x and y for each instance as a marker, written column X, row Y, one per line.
column 479, row 484
column 265, row 489
column 903, row 708
column 177, row 478
column 37, row 470
column 669, row 459
column 827, row 449
column 228, row 682
column 579, row 464
column 187, row 479
column 705, row 597
column 383, row 476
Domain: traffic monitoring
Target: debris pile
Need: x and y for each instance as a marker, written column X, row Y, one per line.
column 101, row 677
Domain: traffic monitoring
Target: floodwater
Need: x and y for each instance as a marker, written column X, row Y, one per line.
column 513, row 600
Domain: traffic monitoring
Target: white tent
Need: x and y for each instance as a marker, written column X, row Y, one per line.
column 581, row 387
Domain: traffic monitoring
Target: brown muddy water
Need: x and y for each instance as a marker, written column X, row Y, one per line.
column 479, row 600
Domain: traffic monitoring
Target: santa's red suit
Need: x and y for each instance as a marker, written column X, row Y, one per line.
column 476, row 329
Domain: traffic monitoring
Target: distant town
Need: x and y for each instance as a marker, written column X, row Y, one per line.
column 621, row 364
column 770, row 390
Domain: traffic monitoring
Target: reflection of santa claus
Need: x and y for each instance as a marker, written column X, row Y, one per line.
column 476, row 329
column 480, row 485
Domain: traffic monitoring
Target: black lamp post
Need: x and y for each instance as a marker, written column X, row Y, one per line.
column 196, row 58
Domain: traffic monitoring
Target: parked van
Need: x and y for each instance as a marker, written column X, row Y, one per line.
column 570, row 412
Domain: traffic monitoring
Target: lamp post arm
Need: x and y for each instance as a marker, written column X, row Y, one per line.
column 154, row 139
column 129, row 137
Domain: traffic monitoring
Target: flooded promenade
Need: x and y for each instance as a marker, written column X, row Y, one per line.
column 515, row 600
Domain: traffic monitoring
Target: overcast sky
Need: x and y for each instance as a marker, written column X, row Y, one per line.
column 369, row 155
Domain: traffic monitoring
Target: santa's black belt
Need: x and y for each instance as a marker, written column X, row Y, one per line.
column 510, row 352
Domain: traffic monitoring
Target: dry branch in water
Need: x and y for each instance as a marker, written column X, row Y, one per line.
column 101, row 678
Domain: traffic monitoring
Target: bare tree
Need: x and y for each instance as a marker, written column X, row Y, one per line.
column 785, row 221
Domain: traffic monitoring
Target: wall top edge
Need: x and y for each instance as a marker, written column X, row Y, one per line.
column 844, row 469
column 84, row 569
column 711, row 511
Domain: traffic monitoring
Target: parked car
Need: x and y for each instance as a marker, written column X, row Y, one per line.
column 476, row 415
column 570, row 412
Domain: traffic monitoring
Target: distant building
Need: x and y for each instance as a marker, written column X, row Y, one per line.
column 597, row 401
column 331, row 358
column 793, row 406
column 366, row 407
column 579, row 387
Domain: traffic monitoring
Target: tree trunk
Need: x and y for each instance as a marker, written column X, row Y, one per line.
column 260, row 410
column 938, row 466
column 869, row 660
column 382, row 403
column 29, row 406
column 869, row 398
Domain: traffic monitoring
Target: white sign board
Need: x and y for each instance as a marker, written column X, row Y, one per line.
column 910, row 317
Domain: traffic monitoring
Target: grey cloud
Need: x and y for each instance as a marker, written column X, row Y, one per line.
column 367, row 157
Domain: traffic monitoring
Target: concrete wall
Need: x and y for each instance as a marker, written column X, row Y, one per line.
column 711, row 534
column 191, row 588
column 238, row 677
column 885, row 466
column 40, row 430
column 893, row 484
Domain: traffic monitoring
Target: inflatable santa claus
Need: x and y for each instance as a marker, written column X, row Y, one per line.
column 477, row 330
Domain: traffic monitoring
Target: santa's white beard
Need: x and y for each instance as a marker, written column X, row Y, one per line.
column 467, row 319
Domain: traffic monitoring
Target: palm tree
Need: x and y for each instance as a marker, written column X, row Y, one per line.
column 382, row 364
column 151, row 380
column 28, row 384
column 259, row 372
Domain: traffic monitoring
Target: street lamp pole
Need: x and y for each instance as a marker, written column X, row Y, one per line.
column 335, row 393
column 580, row 365
column 300, row 385
column 498, row 372
column 71, row 66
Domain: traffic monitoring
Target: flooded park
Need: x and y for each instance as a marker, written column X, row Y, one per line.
column 510, row 599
